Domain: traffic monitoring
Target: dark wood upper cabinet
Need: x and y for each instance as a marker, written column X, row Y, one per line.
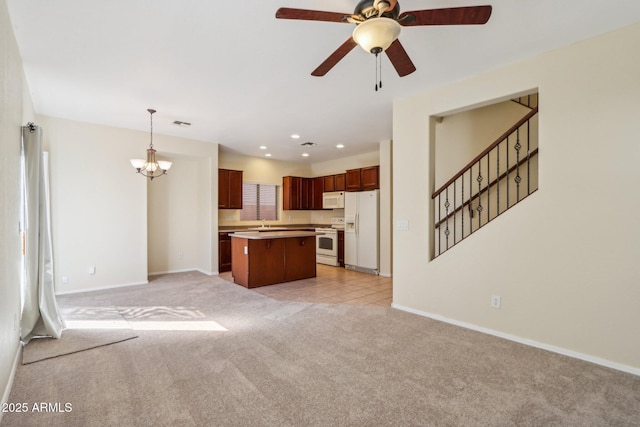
column 353, row 180
column 340, row 181
column 370, row 177
column 291, row 193
column 306, row 193
column 363, row 179
column 329, row 183
column 317, row 190
column 229, row 189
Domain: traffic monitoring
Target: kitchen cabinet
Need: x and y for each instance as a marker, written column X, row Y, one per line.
column 370, row 178
column 329, row 183
column 260, row 264
column 291, row 193
column 301, row 193
column 317, row 190
column 367, row 178
column 306, row 193
column 224, row 252
column 229, row 189
column 353, row 180
column 271, row 258
column 340, row 182
column 300, row 258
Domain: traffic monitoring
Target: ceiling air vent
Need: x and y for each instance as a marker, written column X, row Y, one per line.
column 308, row 144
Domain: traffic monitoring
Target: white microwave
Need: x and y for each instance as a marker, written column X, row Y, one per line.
column 333, row 200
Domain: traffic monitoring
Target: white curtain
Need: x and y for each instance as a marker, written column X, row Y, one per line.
column 40, row 314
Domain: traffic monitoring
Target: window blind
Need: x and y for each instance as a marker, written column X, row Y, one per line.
column 259, row 201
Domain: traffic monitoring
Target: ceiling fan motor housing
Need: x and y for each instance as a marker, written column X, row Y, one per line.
column 368, row 9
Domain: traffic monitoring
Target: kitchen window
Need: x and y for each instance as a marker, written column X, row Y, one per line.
column 259, row 201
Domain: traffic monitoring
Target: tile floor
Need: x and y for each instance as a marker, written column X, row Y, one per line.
column 333, row 285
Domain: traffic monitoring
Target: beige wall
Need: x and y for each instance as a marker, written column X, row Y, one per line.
column 15, row 111
column 173, row 217
column 565, row 260
column 462, row 136
column 99, row 204
column 349, row 162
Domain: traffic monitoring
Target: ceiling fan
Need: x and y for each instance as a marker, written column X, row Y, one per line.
column 378, row 24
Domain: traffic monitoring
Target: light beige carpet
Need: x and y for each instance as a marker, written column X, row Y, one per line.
column 212, row 353
column 86, row 329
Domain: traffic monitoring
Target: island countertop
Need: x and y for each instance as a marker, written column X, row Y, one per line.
column 264, row 235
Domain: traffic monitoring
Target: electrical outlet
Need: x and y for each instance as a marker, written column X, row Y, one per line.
column 496, row 301
column 92, row 269
column 180, row 254
column 65, row 279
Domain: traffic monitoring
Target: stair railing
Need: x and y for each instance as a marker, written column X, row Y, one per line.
column 500, row 176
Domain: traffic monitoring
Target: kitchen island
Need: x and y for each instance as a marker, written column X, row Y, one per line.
column 270, row 257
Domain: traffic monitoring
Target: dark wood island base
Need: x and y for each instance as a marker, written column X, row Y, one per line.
column 267, row 258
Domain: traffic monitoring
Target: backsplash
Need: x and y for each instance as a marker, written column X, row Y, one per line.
column 228, row 217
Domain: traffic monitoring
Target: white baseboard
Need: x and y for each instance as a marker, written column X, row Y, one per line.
column 12, row 376
column 385, row 274
column 525, row 341
column 184, row 270
column 77, row 291
column 102, row 288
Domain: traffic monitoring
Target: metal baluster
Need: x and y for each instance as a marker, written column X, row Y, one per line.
column 454, row 213
column 446, row 207
column 528, row 157
column 470, row 197
column 517, row 178
column 488, row 189
column 462, row 205
column 508, row 206
column 479, row 208
column 498, row 179
column 439, row 225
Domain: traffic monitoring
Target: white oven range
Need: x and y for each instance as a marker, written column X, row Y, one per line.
column 327, row 246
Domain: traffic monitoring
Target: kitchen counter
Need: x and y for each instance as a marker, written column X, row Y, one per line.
column 234, row 228
column 270, row 257
column 262, row 235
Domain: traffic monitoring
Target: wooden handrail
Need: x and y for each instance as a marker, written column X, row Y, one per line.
column 486, row 150
column 485, row 189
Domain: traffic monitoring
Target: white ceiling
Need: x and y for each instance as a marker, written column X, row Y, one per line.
column 242, row 77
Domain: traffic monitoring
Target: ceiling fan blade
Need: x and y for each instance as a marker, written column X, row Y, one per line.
column 471, row 15
column 334, row 58
column 399, row 58
column 309, row 15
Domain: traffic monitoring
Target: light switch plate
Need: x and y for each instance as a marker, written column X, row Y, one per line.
column 402, row 225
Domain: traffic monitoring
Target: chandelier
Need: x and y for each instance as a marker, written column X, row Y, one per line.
column 150, row 167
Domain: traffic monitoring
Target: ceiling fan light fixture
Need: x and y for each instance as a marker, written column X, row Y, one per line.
column 375, row 35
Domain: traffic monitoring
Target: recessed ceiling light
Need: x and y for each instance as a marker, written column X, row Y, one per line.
column 263, row 147
column 339, row 146
column 295, row 136
column 268, row 155
column 305, row 154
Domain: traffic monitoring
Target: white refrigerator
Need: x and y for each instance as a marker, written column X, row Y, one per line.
column 361, row 246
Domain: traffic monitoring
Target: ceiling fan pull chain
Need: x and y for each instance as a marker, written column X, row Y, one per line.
column 376, row 67
column 380, row 68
